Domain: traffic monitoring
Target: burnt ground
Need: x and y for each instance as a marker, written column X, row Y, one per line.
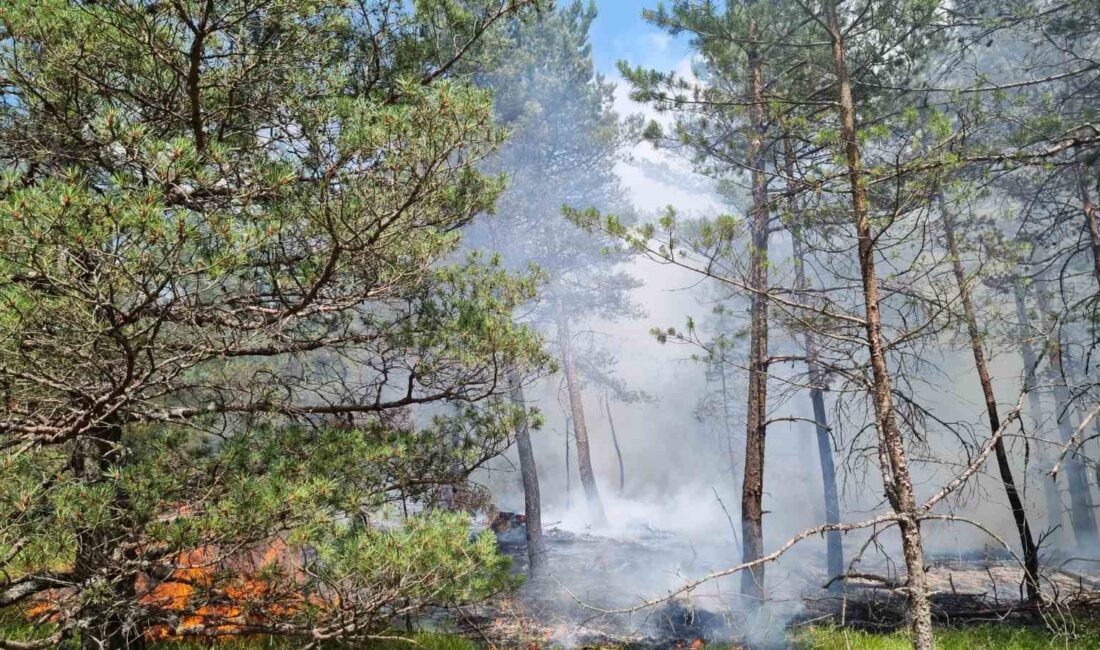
column 591, row 572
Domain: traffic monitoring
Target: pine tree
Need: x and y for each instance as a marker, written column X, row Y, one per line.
column 565, row 142
column 228, row 294
column 731, row 128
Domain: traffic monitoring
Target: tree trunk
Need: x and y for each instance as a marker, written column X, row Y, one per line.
column 1080, row 497
column 537, row 564
column 834, row 549
column 897, row 483
column 727, row 425
column 99, row 557
column 568, row 466
column 1051, row 495
column 1019, row 515
column 1082, row 518
column 1092, row 221
column 580, row 430
column 615, row 441
column 752, row 491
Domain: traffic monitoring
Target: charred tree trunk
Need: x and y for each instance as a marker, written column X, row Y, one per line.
column 752, row 491
column 580, row 430
column 834, row 549
column 537, row 564
column 897, row 482
column 107, row 617
column 615, row 442
column 1051, row 495
column 1019, row 515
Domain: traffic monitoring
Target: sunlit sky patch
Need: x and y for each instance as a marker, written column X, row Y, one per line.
column 620, row 33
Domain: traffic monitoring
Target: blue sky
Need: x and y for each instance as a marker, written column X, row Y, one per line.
column 620, row 33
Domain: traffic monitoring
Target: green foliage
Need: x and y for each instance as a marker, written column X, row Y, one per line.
column 233, row 310
column 566, row 140
column 13, row 624
column 985, row 637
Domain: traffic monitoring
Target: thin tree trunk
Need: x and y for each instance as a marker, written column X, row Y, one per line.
column 1082, row 518
column 834, row 549
column 727, row 424
column 98, row 549
column 1080, row 496
column 580, row 430
column 752, row 491
column 1019, row 515
column 568, row 467
column 833, row 545
column 1050, row 484
column 897, row 483
column 1092, row 221
column 532, row 503
column 615, row 441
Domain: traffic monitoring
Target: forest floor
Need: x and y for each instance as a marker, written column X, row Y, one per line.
column 984, row 637
column 976, row 605
column 979, row 637
column 976, row 602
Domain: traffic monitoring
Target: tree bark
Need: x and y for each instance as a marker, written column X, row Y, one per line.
column 99, row 556
column 752, row 491
column 580, row 430
column 1092, row 221
column 834, row 549
column 727, row 423
column 615, row 442
column 1051, row 495
column 897, row 482
column 1019, row 515
column 568, row 466
column 1080, row 497
column 537, row 561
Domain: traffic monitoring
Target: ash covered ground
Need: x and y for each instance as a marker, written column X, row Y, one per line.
column 593, row 572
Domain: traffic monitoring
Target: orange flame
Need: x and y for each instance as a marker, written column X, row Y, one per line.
column 248, row 599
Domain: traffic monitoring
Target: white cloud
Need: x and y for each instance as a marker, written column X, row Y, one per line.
column 658, row 41
column 657, row 178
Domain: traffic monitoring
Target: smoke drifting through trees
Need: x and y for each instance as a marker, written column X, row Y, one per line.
column 868, row 68
column 296, row 274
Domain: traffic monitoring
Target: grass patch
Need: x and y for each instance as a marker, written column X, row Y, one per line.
column 1079, row 636
column 992, row 637
column 427, row 641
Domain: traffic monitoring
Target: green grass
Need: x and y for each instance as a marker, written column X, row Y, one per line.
column 992, row 637
column 428, row 641
column 985, row 637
